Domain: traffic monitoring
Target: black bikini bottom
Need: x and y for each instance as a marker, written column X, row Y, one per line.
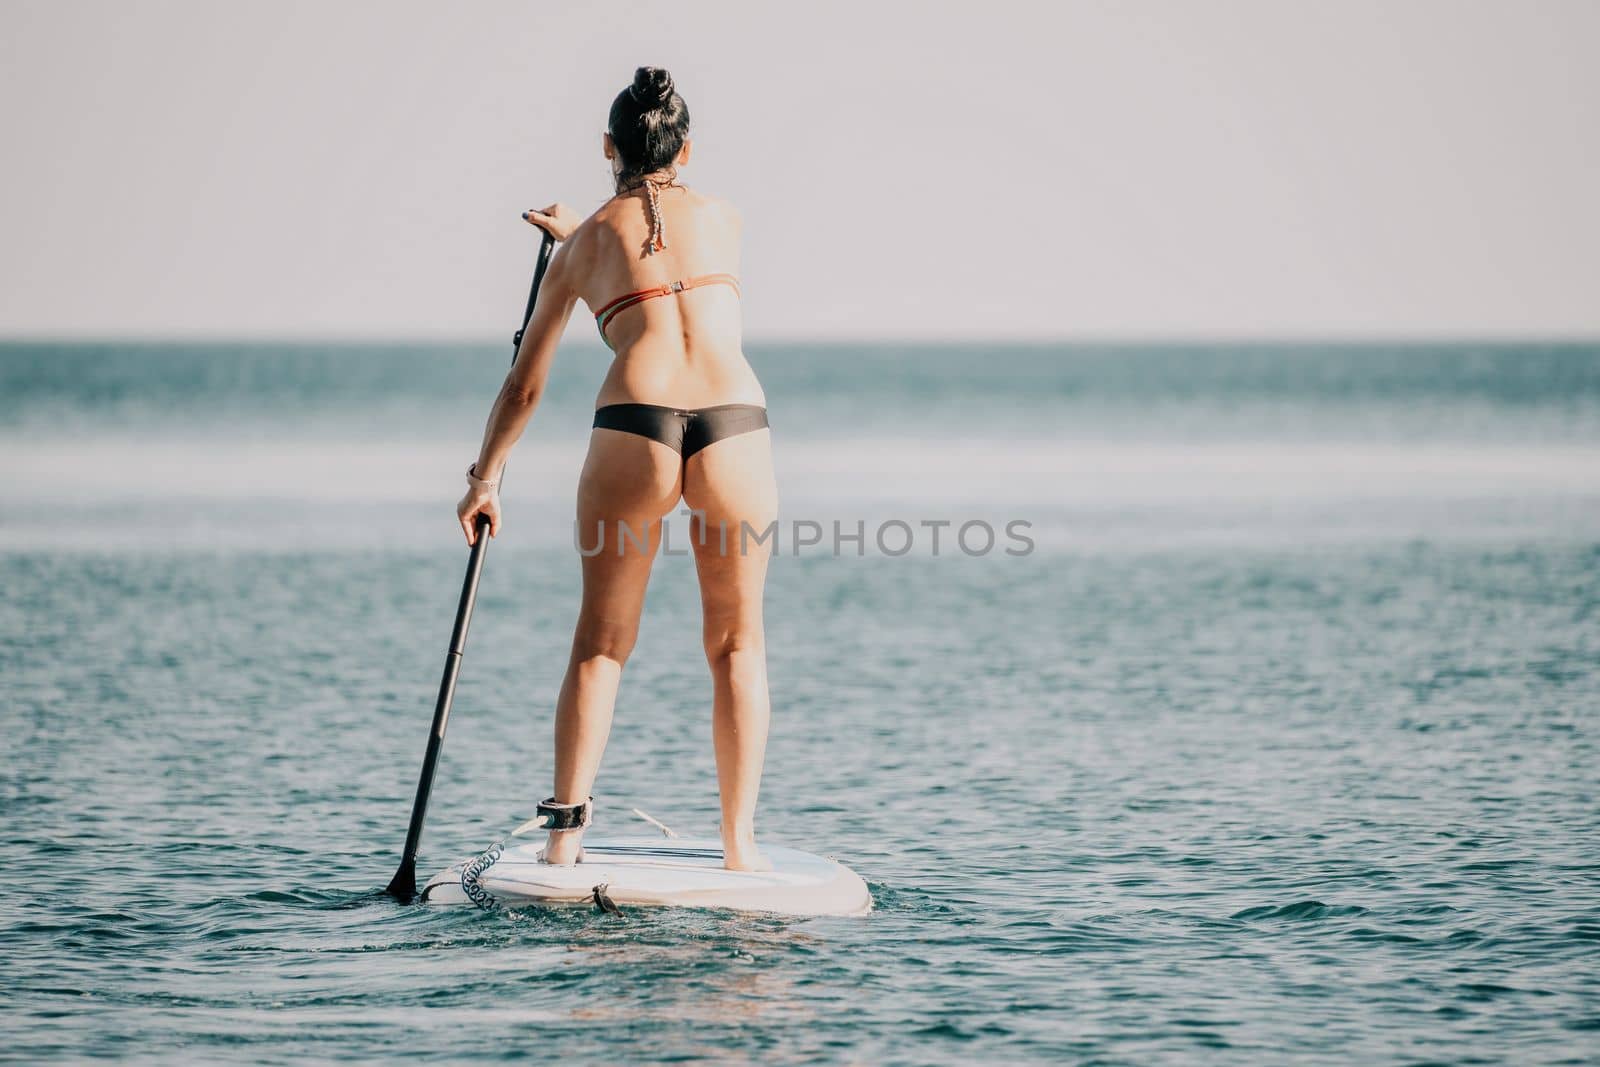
column 684, row 430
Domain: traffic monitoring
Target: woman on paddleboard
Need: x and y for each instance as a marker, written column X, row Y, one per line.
column 680, row 416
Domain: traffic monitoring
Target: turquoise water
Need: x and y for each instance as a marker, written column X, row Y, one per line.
column 1279, row 745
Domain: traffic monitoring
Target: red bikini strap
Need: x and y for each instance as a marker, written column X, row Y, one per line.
column 711, row 279
column 629, row 299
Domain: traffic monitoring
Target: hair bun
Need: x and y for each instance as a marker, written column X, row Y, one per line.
column 652, row 87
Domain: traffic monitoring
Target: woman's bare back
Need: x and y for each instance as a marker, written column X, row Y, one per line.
column 683, row 349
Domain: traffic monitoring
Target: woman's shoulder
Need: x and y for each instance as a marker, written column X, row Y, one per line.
column 615, row 218
column 701, row 202
column 719, row 206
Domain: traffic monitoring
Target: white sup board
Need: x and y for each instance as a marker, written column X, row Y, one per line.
column 677, row 872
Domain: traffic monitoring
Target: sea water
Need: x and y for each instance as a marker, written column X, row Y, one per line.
column 1274, row 741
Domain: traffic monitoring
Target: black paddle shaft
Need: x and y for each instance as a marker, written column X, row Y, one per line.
column 403, row 886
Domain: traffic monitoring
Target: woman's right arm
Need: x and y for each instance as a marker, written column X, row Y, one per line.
column 520, row 393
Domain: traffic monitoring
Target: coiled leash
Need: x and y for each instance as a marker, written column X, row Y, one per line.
column 474, row 869
column 551, row 815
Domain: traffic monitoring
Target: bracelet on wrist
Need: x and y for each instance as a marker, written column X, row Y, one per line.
column 481, row 483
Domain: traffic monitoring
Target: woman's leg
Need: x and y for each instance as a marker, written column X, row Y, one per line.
column 628, row 483
column 731, row 484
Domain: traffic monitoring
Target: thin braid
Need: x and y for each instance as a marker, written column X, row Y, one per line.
column 657, row 239
column 658, row 224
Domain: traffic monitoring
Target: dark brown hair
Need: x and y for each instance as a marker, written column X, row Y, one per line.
column 649, row 123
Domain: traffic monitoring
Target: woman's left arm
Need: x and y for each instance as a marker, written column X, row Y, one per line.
column 520, row 394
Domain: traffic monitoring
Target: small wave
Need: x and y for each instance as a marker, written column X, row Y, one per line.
column 320, row 899
column 1304, row 909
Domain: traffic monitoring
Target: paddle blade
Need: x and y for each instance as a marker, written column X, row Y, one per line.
column 403, row 886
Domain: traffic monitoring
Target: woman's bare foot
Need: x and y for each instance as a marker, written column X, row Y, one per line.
column 564, row 848
column 739, row 853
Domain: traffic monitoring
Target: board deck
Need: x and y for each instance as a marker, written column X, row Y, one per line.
column 678, row 872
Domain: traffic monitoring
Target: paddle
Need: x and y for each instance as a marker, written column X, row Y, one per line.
column 403, row 886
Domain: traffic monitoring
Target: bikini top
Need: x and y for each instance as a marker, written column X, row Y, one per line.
column 628, row 300
column 658, row 241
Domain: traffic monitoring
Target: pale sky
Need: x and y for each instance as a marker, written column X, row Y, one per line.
column 917, row 170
